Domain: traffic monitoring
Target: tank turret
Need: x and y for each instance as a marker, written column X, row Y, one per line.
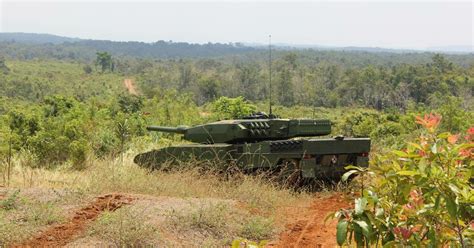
column 249, row 130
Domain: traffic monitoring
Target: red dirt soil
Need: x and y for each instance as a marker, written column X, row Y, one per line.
column 130, row 85
column 310, row 230
column 62, row 234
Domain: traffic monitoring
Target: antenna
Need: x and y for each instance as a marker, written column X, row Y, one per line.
column 270, row 71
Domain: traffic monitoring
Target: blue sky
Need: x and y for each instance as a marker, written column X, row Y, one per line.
column 401, row 24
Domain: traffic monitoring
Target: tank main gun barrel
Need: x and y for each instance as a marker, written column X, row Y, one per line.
column 178, row 130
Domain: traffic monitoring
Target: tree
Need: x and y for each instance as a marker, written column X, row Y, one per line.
column 441, row 63
column 104, row 60
column 3, row 66
column 208, row 89
column 87, row 69
column 232, row 107
column 21, row 128
column 285, row 88
column 247, row 75
column 186, row 76
column 122, row 131
column 130, row 103
column 290, row 59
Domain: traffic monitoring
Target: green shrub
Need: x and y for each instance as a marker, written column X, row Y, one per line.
column 420, row 196
column 387, row 129
column 10, row 202
column 105, row 143
column 79, row 149
column 41, row 214
column 257, row 228
column 225, row 107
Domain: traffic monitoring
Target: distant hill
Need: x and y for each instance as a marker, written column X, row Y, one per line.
column 40, row 44
column 35, row 38
column 25, row 46
column 453, row 49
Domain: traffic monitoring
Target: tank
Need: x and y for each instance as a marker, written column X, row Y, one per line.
column 288, row 147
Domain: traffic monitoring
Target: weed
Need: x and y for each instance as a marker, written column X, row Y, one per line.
column 25, row 219
column 257, row 228
column 218, row 223
column 125, row 227
column 11, row 202
column 43, row 214
column 210, row 218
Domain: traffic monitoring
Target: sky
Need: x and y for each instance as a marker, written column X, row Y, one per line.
column 401, row 24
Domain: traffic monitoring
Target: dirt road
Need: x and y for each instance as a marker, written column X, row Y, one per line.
column 309, row 228
column 305, row 228
column 130, row 85
column 62, row 234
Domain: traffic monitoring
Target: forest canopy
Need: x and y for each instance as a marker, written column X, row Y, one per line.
column 67, row 100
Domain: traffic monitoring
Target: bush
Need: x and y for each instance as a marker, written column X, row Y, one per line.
column 225, row 107
column 10, row 202
column 257, row 228
column 360, row 123
column 79, row 150
column 386, row 130
column 87, row 69
column 420, row 196
column 105, row 143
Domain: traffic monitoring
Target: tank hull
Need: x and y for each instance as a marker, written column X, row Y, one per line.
column 315, row 158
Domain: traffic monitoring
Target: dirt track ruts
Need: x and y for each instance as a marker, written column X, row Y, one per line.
column 311, row 230
column 130, row 85
column 62, row 234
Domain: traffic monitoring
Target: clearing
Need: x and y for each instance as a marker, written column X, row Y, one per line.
column 119, row 205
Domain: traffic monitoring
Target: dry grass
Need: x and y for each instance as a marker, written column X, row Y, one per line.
column 125, row 227
column 21, row 217
column 110, row 176
column 219, row 223
column 251, row 205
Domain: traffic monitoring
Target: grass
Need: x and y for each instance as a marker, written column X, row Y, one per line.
column 258, row 228
column 125, row 227
column 104, row 176
column 210, row 219
column 21, row 217
column 221, row 208
column 222, row 222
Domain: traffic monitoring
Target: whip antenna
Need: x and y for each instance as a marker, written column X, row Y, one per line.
column 270, row 71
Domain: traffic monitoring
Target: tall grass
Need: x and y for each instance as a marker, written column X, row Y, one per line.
column 257, row 208
column 105, row 176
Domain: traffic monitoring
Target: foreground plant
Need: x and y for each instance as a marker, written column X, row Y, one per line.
column 419, row 196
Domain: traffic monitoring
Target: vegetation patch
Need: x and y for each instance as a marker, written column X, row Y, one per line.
column 257, row 227
column 223, row 222
column 24, row 217
column 125, row 227
column 418, row 196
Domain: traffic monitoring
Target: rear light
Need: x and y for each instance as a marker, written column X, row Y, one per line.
column 365, row 154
